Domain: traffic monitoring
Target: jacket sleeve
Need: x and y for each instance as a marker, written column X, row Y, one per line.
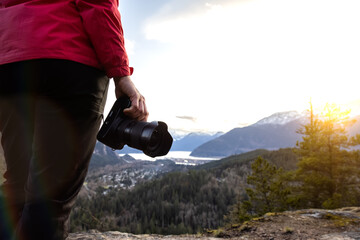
column 101, row 20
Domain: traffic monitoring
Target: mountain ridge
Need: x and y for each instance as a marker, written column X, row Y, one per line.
column 257, row 136
column 279, row 130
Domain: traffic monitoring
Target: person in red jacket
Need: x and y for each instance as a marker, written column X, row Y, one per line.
column 56, row 58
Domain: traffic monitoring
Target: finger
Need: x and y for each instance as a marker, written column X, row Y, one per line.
column 145, row 117
column 135, row 101
column 131, row 112
column 145, row 112
column 138, row 109
column 142, row 114
column 142, row 109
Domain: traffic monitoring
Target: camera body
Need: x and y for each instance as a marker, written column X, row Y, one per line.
column 152, row 138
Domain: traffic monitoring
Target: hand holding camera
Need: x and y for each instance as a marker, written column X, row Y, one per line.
column 118, row 129
column 125, row 87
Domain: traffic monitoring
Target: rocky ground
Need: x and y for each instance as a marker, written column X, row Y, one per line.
column 312, row 224
column 95, row 235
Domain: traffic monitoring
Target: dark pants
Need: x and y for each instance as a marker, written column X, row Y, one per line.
column 50, row 112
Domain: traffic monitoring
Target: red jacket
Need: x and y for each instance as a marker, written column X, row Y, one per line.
column 85, row 31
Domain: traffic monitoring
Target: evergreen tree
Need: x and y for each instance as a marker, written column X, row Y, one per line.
column 327, row 172
column 268, row 192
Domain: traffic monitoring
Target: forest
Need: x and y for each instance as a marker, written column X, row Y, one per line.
column 322, row 171
column 179, row 202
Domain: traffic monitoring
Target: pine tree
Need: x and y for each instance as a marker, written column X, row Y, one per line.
column 268, row 192
column 326, row 171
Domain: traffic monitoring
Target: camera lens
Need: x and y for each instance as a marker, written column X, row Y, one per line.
column 159, row 141
column 152, row 138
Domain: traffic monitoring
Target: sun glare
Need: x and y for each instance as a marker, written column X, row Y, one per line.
column 334, row 111
column 231, row 63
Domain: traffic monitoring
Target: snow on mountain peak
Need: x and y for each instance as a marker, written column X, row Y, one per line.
column 178, row 134
column 280, row 118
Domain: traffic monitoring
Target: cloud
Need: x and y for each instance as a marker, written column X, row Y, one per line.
column 192, row 119
column 240, row 60
column 182, row 24
column 171, row 8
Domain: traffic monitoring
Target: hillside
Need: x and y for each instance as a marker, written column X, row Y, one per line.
column 316, row 224
column 103, row 156
column 126, row 175
column 284, row 158
column 177, row 202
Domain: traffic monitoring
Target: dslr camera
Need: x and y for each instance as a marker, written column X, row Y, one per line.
column 152, row 138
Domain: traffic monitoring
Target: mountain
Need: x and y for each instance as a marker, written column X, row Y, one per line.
column 276, row 131
column 282, row 118
column 265, row 134
column 103, row 155
column 193, row 140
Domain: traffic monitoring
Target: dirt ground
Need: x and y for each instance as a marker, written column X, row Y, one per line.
column 311, row 224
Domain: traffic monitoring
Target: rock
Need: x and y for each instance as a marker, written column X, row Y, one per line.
column 96, row 235
column 341, row 236
column 309, row 224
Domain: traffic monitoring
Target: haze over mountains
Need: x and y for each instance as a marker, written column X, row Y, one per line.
column 276, row 131
column 273, row 132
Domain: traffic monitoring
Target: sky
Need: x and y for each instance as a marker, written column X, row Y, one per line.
column 213, row 65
